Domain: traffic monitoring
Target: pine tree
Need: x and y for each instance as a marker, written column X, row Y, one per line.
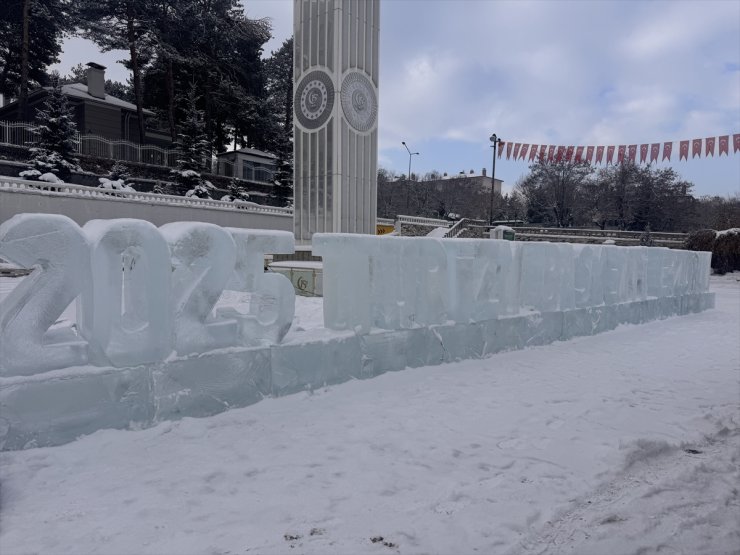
column 54, row 150
column 31, row 34
column 236, row 193
column 279, row 71
column 192, row 148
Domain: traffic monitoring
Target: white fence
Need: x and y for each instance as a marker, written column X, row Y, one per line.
column 68, row 189
column 23, row 134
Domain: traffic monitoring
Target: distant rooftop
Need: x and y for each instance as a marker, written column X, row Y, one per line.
column 78, row 90
column 252, row 151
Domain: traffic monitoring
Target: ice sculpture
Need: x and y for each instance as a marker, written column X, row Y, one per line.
column 203, row 257
column 125, row 312
column 56, row 249
column 272, row 301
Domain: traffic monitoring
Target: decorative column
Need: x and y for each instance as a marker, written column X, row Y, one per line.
column 335, row 120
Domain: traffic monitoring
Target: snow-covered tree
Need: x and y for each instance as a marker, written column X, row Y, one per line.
column 236, row 192
column 192, row 149
column 54, row 151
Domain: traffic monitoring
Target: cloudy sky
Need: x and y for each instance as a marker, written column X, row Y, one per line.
column 555, row 72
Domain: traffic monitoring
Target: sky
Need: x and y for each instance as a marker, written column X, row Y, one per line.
column 452, row 72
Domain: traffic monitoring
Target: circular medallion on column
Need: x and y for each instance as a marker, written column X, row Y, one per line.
column 314, row 99
column 359, row 101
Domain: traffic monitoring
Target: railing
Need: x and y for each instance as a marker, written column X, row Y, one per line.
column 68, row 189
column 385, row 221
column 23, row 134
column 458, row 227
column 605, row 233
column 416, row 220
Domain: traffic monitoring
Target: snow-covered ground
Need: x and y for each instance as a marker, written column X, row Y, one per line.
column 625, row 442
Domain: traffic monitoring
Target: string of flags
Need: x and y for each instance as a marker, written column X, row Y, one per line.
column 605, row 154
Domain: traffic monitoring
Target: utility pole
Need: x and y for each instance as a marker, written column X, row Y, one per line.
column 495, row 140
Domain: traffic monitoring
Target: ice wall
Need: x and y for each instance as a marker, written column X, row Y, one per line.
column 395, row 283
column 149, row 346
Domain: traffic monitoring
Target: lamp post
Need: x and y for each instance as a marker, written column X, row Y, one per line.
column 408, row 175
column 495, row 140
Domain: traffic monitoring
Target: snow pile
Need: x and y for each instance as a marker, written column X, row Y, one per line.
column 117, row 185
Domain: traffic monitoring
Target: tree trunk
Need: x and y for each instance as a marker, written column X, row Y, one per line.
column 23, row 94
column 171, row 99
column 136, row 71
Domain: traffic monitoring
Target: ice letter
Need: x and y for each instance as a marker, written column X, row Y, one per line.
column 56, row 248
column 203, row 258
column 125, row 313
column 346, row 261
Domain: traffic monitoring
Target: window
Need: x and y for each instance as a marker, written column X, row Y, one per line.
column 254, row 171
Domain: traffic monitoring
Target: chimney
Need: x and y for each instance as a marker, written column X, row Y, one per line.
column 96, row 80
column 483, row 172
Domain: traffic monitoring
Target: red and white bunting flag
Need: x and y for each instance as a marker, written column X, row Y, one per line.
column 643, row 153
column 696, row 150
column 579, row 155
column 609, row 154
column 550, row 152
column 620, row 154
column 589, row 154
column 523, row 154
column 667, row 148
column 709, row 142
column 543, row 153
column 569, row 153
column 516, row 150
column 724, row 145
column 533, row 153
column 735, row 142
column 500, row 148
column 560, row 154
column 683, row 150
column 599, row 154
column 632, row 152
column 654, row 152
column 508, row 150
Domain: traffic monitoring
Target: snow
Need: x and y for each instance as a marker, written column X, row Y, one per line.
column 438, row 232
column 302, row 264
column 624, row 442
column 116, row 184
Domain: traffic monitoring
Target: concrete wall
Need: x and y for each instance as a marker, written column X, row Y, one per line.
column 81, row 210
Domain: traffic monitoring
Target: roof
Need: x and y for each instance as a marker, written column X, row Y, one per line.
column 78, row 90
column 252, row 151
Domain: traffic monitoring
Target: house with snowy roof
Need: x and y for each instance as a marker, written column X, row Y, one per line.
column 95, row 112
column 249, row 164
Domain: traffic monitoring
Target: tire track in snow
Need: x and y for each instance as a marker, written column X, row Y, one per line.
column 667, row 498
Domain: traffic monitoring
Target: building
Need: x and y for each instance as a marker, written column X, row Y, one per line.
column 95, row 112
column 249, row 164
column 454, row 196
column 481, row 181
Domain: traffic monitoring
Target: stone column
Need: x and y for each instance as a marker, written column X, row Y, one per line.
column 335, row 119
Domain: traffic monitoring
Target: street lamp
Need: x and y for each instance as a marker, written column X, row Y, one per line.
column 495, row 140
column 408, row 175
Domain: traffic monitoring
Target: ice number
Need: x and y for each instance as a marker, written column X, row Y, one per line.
column 125, row 312
column 203, row 257
column 272, row 301
column 56, row 249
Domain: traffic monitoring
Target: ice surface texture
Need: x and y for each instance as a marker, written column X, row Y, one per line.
column 142, row 292
column 401, row 283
